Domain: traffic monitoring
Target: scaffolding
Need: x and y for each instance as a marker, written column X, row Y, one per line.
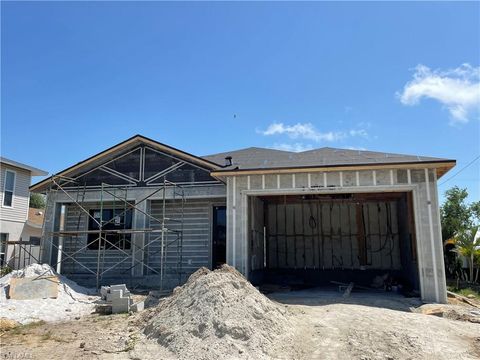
column 166, row 232
column 23, row 254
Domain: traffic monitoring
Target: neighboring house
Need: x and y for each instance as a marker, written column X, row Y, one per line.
column 148, row 214
column 15, row 223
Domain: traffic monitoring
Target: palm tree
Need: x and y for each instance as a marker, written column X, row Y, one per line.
column 467, row 244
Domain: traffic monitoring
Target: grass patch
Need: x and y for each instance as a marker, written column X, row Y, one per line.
column 23, row 329
column 46, row 336
column 5, row 270
column 465, row 291
column 49, row 336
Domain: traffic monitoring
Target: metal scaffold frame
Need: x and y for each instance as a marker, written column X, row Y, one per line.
column 115, row 197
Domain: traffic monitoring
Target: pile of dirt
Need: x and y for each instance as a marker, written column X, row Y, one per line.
column 218, row 314
column 72, row 300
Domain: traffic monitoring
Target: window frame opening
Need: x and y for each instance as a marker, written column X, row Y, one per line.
column 115, row 233
column 11, row 191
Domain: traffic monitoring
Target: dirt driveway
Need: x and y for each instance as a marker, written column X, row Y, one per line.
column 326, row 326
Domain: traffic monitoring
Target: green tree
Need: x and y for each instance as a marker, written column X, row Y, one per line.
column 456, row 214
column 467, row 244
column 37, row 201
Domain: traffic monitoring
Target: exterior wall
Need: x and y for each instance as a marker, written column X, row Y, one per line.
column 196, row 250
column 421, row 182
column 12, row 219
column 19, row 232
column 196, row 242
column 29, row 231
column 19, row 210
column 77, row 220
column 14, row 230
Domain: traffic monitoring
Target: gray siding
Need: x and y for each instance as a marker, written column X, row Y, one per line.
column 21, row 195
column 77, row 220
column 195, row 253
column 197, row 230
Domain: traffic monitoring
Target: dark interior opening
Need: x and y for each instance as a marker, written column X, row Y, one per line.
column 315, row 240
column 219, row 236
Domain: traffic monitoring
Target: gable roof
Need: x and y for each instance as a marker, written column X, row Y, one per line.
column 33, row 170
column 254, row 158
column 262, row 159
column 124, row 145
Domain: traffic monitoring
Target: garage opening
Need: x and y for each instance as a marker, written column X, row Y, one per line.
column 313, row 240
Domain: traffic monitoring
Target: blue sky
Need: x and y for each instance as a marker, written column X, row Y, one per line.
column 209, row 77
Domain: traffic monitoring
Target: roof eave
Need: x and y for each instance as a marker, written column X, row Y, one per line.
column 442, row 166
column 33, row 170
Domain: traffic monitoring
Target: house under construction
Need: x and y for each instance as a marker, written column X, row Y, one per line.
column 147, row 214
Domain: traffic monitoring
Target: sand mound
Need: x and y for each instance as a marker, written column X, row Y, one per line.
column 73, row 300
column 217, row 314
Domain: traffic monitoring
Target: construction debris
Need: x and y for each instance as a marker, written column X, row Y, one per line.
column 217, row 314
column 452, row 312
column 33, row 288
column 30, row 299
column 348, row 290
column 118, row 300
column 463, row 298
column 7, row 324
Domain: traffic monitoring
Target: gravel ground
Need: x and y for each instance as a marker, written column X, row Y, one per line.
column 73, row 301
column 306, row 325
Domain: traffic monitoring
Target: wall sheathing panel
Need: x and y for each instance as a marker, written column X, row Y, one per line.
column 286, row 181
column 196, row 249
column 197, row 236
column 316, row 179
column 301, row 180
column 349, row 178
column 383, row 177
column 270, row 181
column 77, row 220
column 365, row 178
column 333, row 179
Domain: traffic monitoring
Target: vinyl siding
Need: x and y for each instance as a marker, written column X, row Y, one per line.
column 21, row 195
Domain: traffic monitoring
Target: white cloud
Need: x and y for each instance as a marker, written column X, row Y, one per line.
column 355, row 148
column 296, row 147
column 309, row 132
column 302, row 131
column 359, row 132
column 457, row 89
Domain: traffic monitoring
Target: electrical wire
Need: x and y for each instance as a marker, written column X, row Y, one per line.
column 459, row 171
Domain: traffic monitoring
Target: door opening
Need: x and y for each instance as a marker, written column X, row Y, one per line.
column 219, row 236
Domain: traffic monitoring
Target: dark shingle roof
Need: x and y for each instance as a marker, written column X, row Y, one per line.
column 261, row 158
